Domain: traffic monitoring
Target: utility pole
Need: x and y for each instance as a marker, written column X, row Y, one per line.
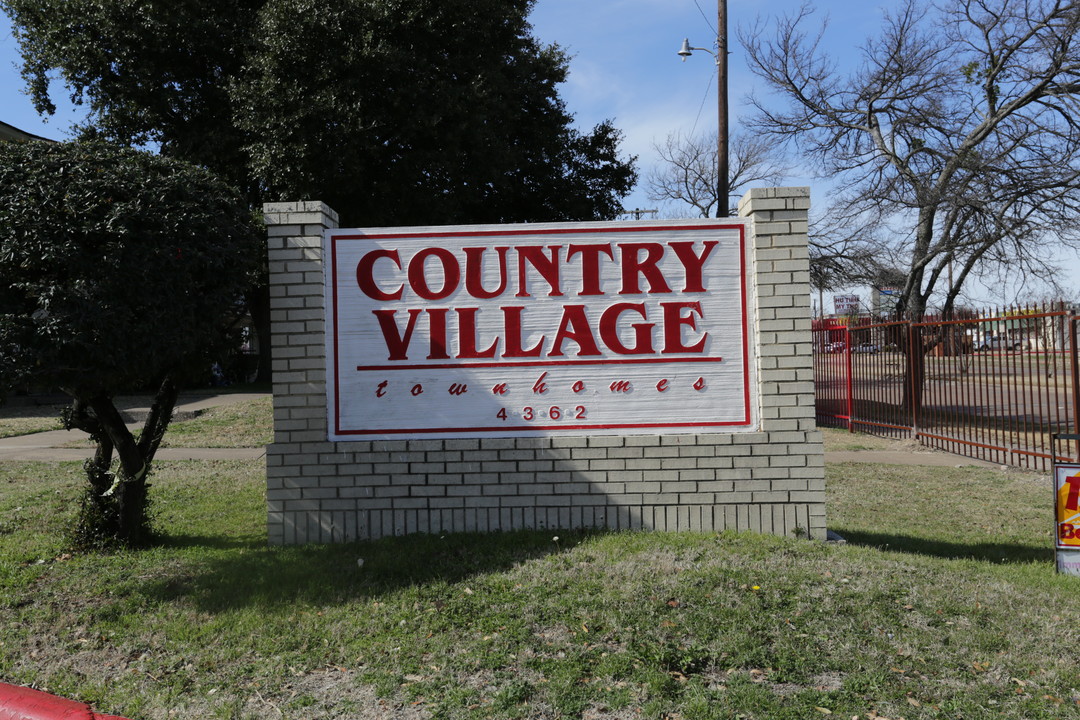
column 722, row 189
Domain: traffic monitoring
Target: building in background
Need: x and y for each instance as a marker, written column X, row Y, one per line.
column 10, row 132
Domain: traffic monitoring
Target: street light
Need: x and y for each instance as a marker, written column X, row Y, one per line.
column 686, row 50
column 722, row 189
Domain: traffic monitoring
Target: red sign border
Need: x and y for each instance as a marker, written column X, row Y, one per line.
column 334, row 235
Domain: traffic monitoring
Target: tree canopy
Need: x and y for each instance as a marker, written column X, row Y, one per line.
column 146, row 72
column 118, row 269
column 394, row 112
column 955, row 143
column 391, row 111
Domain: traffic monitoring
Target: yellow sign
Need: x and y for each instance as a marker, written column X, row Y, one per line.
column 1067, row 505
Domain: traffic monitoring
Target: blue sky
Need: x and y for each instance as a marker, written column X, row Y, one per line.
column 624, row 66
column 624, row 63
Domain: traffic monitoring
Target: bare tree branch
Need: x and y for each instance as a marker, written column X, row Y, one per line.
column 689, row 168
column 955, row 143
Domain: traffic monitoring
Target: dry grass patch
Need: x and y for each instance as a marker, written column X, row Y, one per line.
column 842, row 440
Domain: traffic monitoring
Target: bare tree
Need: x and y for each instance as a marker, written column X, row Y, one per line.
column 689, row 167
column 955, row 143
column 844, row 253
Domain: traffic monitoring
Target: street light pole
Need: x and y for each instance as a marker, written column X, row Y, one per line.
column 722, row 189
column 722, row 183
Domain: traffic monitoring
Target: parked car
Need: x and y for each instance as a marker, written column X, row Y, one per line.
column 865, row 347
column 833, row 347
column 999, row 343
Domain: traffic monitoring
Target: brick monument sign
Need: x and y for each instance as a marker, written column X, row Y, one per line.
column 651, row 375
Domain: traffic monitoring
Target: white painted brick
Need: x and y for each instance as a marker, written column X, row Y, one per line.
column 774, row 228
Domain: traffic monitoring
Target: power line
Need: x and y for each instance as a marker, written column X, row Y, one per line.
column 707, row 21
column 708, row 89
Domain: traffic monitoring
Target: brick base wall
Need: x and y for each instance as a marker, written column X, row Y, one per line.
column 769, row 481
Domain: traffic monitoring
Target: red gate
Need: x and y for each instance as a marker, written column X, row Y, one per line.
column 996, row 386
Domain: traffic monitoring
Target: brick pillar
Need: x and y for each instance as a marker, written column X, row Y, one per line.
column 298, row 345
column 785, row 359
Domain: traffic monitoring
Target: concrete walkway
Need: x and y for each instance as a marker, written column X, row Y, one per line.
column 49, row 446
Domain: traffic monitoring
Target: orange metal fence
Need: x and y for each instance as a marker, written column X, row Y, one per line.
column 996, row 385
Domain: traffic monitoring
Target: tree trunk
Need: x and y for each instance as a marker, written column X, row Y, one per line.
column 134, row 529
column 114, row 510
column 913, row 309
column 258, row 304
column 914, row 376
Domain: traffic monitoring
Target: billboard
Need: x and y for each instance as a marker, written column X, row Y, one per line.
column 528, row 330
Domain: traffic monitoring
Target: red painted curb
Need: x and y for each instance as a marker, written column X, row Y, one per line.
column 23, row 703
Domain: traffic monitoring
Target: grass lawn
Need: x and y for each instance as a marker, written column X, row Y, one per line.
column 238, row 425
column 943, row 604
column 843, row 440
column 245, row 424
column 27, row 419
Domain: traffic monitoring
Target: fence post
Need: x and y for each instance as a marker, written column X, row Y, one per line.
column 1074, row 363
column 913, row 379
column 850, row 385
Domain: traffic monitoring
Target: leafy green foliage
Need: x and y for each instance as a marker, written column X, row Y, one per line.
column 101, row 525
column 425, row 111
column 391, row 111
column 117, row 266
column 147, row 71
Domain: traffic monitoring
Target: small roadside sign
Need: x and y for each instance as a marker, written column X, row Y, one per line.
column 1067, row 517
column 1067, row 506
column 1068, row 561
column 846, row 304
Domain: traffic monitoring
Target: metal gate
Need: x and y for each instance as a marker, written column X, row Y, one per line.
column 994, row 386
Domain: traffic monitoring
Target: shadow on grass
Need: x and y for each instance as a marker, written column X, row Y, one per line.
column 998, row 553
column 216, row 542
column 239, row 573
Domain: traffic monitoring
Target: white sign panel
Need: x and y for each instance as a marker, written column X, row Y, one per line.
column 846, row 304
column 524, row 330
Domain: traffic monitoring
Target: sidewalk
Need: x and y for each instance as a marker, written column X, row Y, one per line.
column 49, row 446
